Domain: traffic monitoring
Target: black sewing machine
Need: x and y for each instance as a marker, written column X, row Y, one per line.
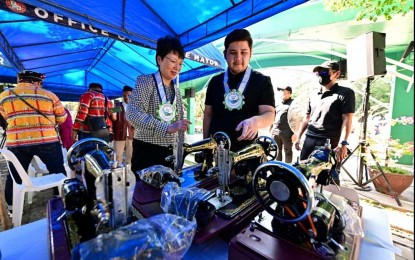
column 96, row 202
column 203, row 154
column 300, row 219
column 198, row 175
column 235, row 174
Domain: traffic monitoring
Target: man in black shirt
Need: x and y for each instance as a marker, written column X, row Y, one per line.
column 328, row 114
column 287, row 120
column 239, row 101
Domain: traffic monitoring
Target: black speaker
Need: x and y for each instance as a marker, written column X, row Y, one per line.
column 189, row 93
column 366, row 56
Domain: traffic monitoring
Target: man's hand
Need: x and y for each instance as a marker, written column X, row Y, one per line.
column 294, row 138
column 249, row 129
column 341, row 152
column 74, row 136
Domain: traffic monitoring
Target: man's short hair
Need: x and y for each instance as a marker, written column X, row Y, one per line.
column 95, row 85
column 30, row 76
column 237, row 36
column 127, row 88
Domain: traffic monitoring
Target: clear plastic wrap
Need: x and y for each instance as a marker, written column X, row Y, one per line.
column 164, row 236
column 158, row 176
column 349, row 214
column 182, row 201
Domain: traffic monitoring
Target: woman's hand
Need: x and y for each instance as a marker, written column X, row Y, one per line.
column 181, row 125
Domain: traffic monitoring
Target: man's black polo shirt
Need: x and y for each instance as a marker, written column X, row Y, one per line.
column 259, row 91
column 327, row 109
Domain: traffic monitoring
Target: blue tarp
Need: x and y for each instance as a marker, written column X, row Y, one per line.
column 112, row 42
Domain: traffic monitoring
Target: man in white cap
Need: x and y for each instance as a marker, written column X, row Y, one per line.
column 328, row 115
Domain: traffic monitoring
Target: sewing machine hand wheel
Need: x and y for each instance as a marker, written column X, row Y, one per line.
column 222, row 136
column 283, row 191
column 269, row 145
column 82, row 147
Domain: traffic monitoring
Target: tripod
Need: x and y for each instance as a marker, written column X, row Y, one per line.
column 364, row 148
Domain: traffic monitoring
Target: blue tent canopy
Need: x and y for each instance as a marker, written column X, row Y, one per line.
column 112, row 42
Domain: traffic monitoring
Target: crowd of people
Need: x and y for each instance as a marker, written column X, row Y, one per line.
column 150, row 118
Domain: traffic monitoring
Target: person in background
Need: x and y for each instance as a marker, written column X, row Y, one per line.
column 328, row 114
column 123, row 130
column 287, row 121
column 30, row 133
column 65, row 131
column 3, row 124
column 156, row 110
column 92, row 103
column 239, row 101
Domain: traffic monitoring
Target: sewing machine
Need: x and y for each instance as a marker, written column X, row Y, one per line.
column 99, row 199
column 203, row 151
column 299, row 218
column 229, row 182
column 235, row 192
column 196, row 175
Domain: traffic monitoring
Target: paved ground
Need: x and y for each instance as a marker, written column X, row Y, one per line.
column 401, row 218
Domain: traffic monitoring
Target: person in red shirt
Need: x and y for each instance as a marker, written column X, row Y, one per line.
column 92, row 104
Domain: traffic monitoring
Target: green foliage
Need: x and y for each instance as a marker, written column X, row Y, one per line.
column 388, row 151
column 371, row 9
column 199, row 108
column 395, row 170
column 380, row 90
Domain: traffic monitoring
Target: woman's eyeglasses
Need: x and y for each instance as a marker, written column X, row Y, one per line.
column 175, row 62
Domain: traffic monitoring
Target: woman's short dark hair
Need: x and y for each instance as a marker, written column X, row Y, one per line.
column 169, row 44
column 238, row 35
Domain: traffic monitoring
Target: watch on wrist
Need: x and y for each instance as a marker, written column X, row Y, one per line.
column 344, row 142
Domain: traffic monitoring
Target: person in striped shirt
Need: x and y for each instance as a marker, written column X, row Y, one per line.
column 32, row 114
column 92, row 103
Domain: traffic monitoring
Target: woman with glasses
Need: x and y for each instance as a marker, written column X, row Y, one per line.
column 155, row 109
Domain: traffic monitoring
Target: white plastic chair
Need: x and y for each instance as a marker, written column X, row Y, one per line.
column 36, row 168
column 69, row 173
column 28, row 184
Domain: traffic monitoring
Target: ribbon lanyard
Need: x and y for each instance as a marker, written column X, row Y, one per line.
column 162, row 92
column 243, row 83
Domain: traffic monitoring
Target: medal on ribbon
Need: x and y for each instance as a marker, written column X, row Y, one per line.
column 167, row 112
column 234, row 99
column 167, row 109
